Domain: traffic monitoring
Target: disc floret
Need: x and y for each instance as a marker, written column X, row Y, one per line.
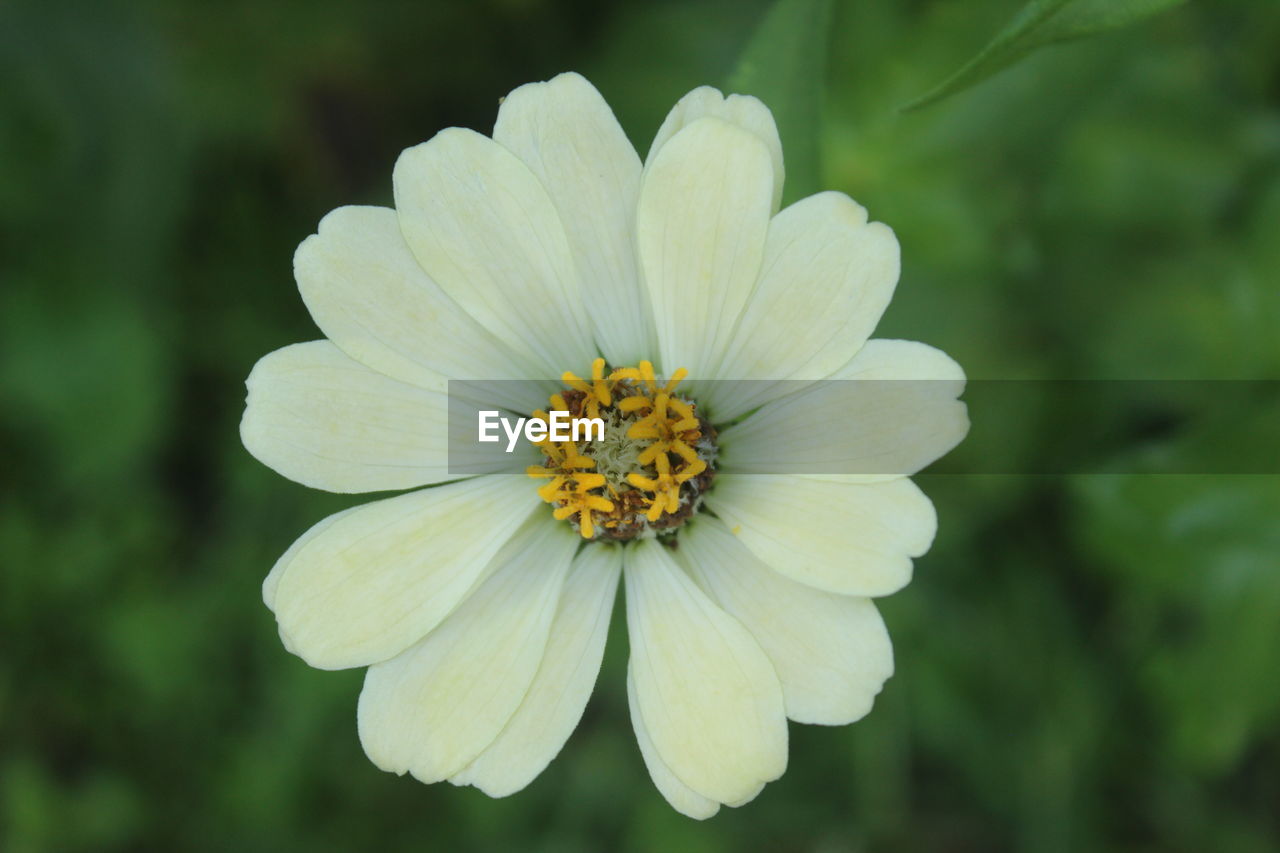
column 648, row 473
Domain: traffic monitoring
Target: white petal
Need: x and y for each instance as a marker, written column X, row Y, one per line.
column 707, row 694
column 827, row 277
column 369, row 296
column 322, row 419
column 481, row 225
column 894, row 359
column 888, row 413
column 559, row 692
column 566, row 133
column 681, row 797
column 832, row 652
column 746, row 112
column 433, row 708
column 271, row 582
column 370, row 582
column 703, row 216
column 848, row 538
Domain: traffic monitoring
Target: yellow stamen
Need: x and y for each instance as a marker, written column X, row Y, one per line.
column 654, row 432
column 665, row 489
column 598, row 392
column 634, row 404
column 646, row 372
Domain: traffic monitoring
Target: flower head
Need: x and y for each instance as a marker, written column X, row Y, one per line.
column 480, row 605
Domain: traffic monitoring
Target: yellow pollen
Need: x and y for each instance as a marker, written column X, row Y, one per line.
column 564, row 468
column 652, row 468
column 581, row 502
column 599, row 392
column 665, row 488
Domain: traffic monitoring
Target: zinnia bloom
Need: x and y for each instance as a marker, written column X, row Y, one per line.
column 480, row 604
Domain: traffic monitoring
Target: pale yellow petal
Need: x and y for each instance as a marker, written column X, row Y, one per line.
column 367, row 584
column 746, row 112
column 832, row 652
column 481, row 225
column 889, row 412
column 827, row 277
column 701, row 225
column 325, row 420
column 708, row 696
column 559, row 692
column 369, row 295
column 567, row 135
column 436, row 706
column 681, row 797
column 847, row 538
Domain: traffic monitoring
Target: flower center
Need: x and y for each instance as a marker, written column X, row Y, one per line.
column 649, row 472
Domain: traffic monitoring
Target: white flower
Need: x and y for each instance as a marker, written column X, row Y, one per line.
column 480, row 611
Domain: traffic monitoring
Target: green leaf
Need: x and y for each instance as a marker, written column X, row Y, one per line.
column 1041, row 23
column 784, row 64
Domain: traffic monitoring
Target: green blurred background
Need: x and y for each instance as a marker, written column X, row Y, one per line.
column 1084, row 662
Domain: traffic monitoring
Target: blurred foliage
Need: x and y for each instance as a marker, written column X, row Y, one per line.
column 1083, row 662
column 1040, row 23
column 784, row 64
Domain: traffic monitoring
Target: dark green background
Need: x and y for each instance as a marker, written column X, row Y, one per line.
column 1087, row 662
